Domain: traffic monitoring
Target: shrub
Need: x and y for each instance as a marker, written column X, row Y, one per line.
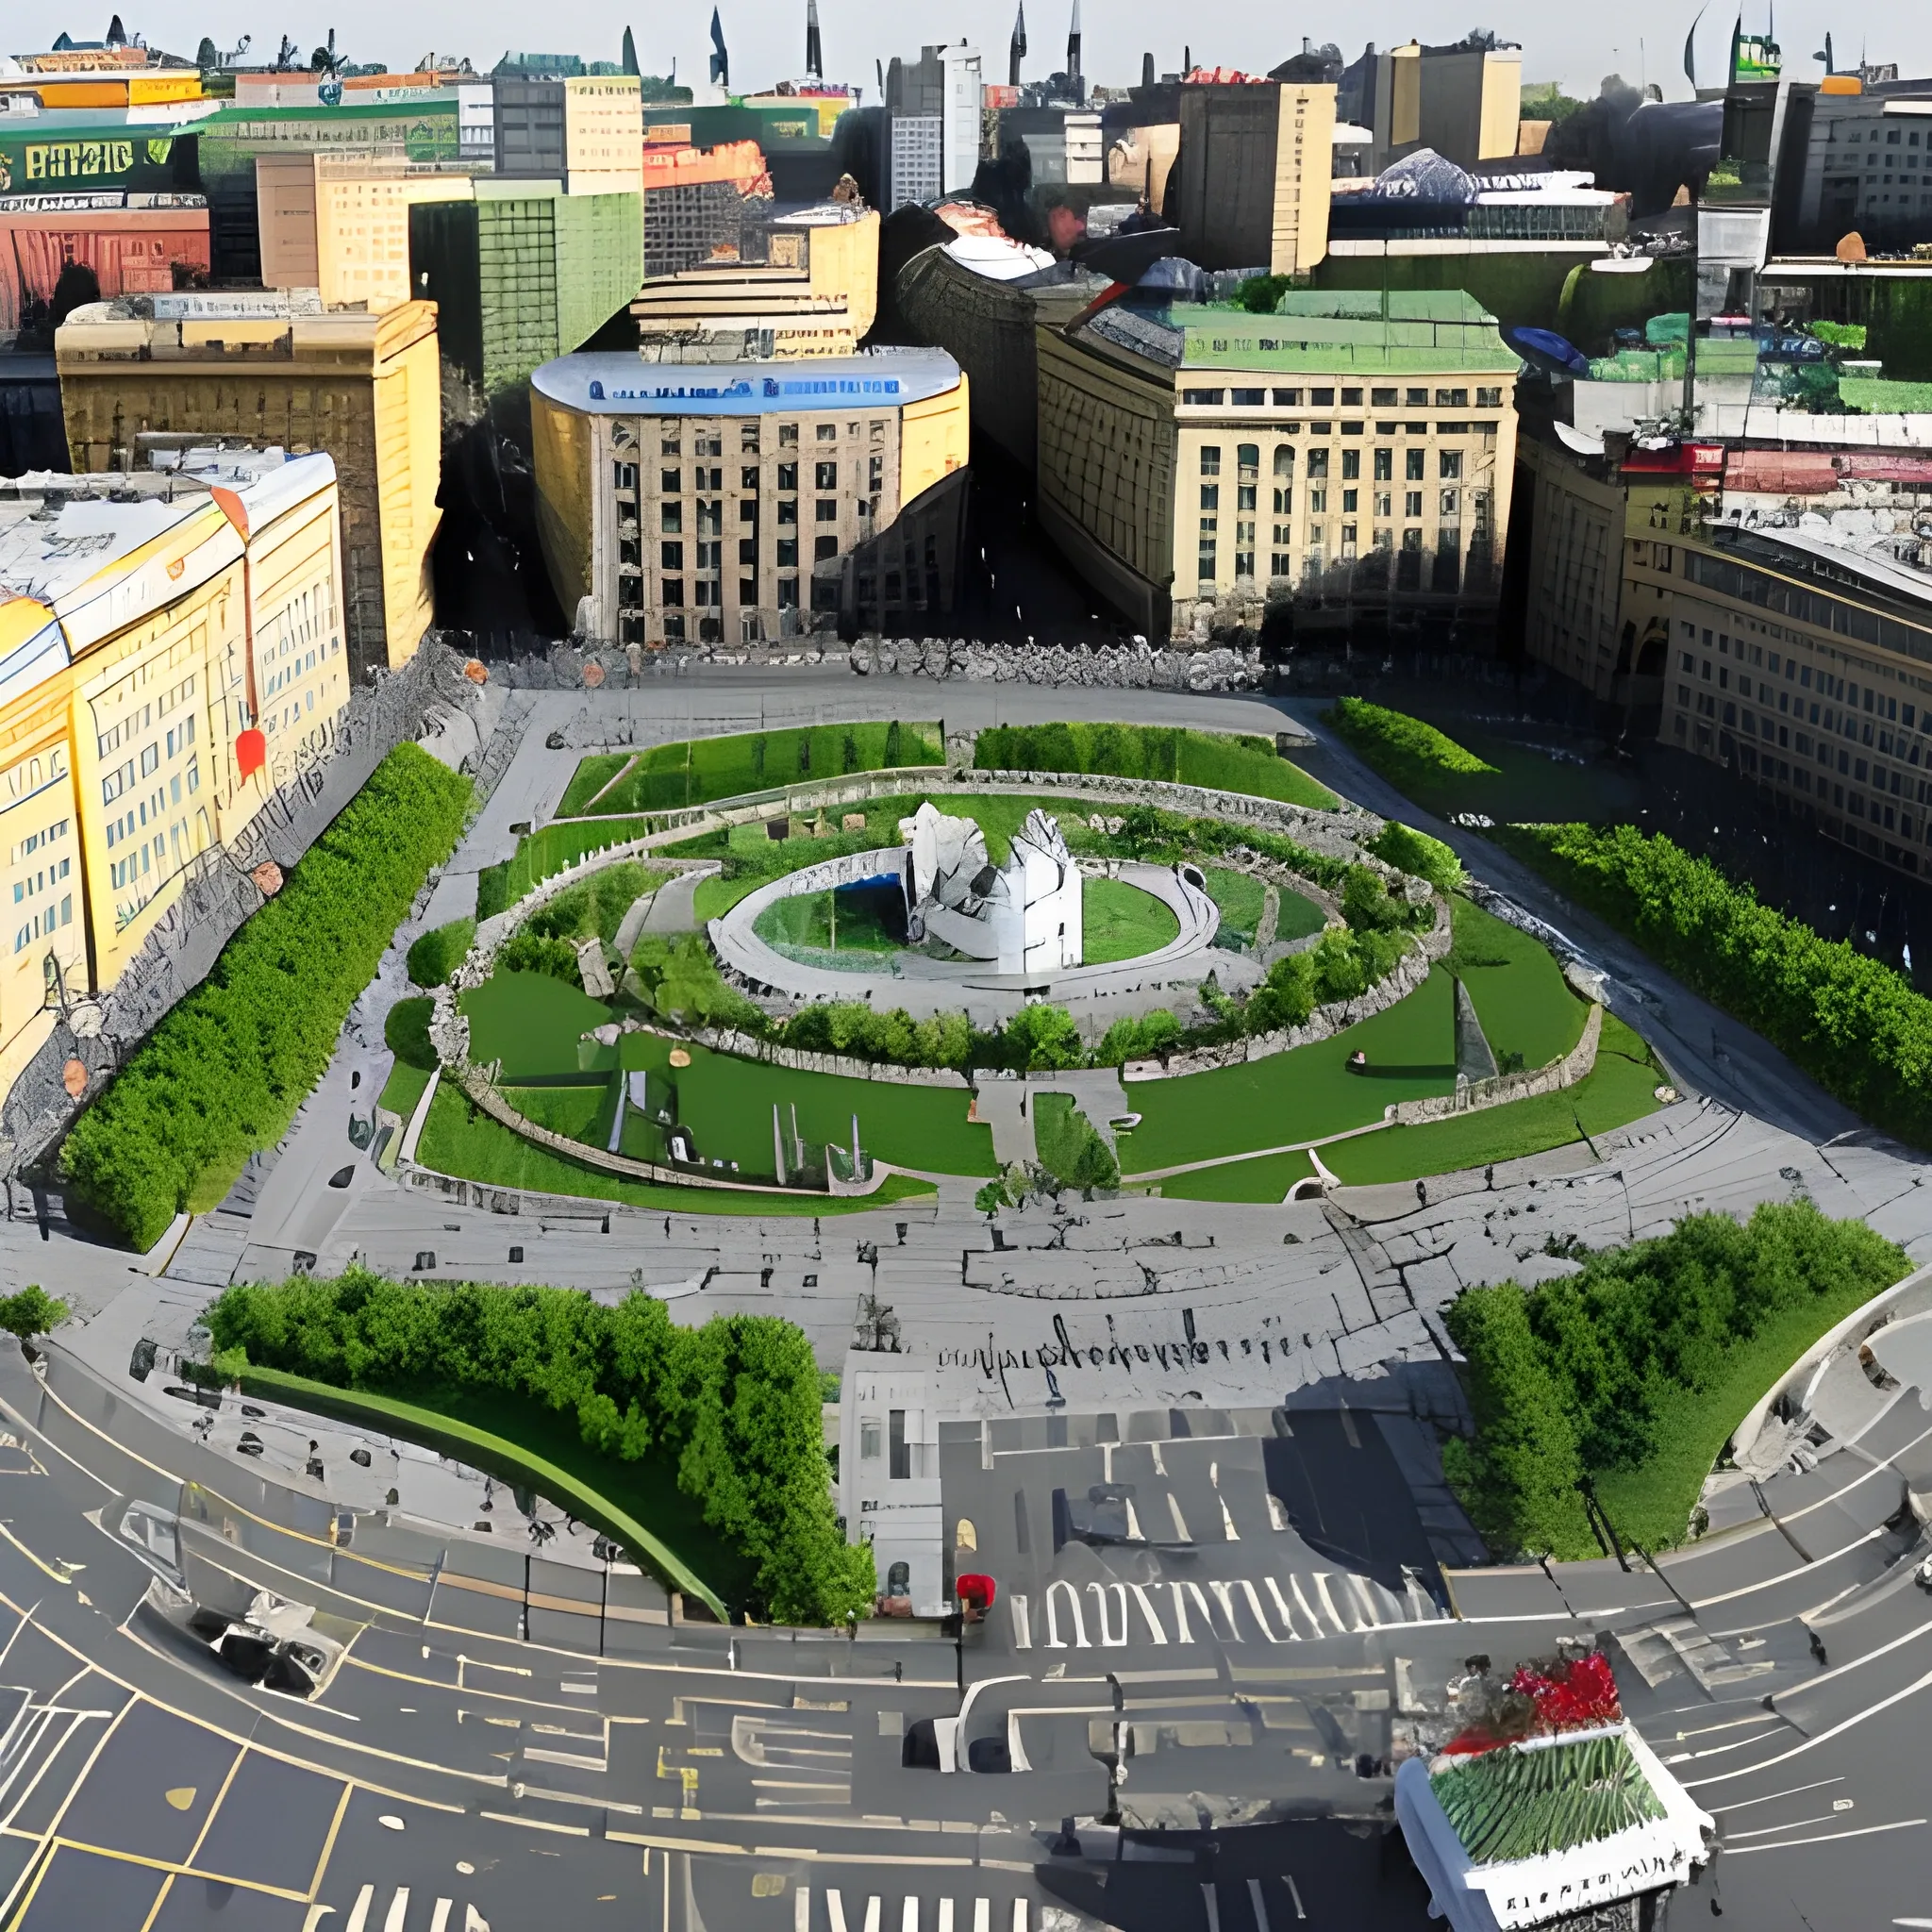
column 1641, row 1365
column 1285, row 998
column 1137, row 1039
column 1418, row 854
column 851, row 1027
column 1852, row 1023
column 31, row 1312
column 530, row 951
column 222, row 1075
column 406, row 1033
column 1042, row 1039
column 1368, row 905
column 1393, row 739
column 679, row 981
column 733, row 1403
column 1070, row 1147
column 437, row 955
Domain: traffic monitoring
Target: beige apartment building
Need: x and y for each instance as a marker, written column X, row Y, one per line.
column 1800, row 652
column 340, row 223
column 1198, row 464
column 719, row 502
column 281, row 370
column 806, row 284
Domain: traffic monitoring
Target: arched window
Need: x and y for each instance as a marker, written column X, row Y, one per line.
column 964, row 1536
column 899, row 1580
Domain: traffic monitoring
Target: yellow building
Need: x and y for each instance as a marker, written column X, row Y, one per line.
column 806, row 284
column 716, row 502
column 604, row 134
column 1463, row 100
column 1198, row 463
column 168, row 657
column 281, row 370
column 340, row 223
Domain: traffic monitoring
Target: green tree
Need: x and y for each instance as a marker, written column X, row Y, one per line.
column 31, row 1312
column 1045, row 1038
column 1519, row 1479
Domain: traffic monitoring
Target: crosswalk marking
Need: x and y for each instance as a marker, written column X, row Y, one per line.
column 439, row 1920
column 396, row 1918
column 1259, row 1904
column 359, row 1912
column 986, row 1915
column 908, row 1916
column 398, row 1911
column 982, row 1915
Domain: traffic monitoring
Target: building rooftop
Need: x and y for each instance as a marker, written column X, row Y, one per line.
column 79, row 555
column 1340, row 329
column 611, row 383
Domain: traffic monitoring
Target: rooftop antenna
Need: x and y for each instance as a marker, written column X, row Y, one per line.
column 1016, row 47
column 1690, row 47
column 721, row 61
column 814, row 56
column 1073, row 50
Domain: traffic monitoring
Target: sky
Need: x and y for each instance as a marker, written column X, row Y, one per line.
column 1576, row 45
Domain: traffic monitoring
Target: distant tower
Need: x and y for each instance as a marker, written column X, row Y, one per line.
column 1016, row 47
column 814, row 56
column 1146, row 70
column 721, row 61
column 1074, row 54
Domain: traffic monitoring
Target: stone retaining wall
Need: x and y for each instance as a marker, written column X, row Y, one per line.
column 1471, row 1095
column 1135, row 666
column 749, row 1047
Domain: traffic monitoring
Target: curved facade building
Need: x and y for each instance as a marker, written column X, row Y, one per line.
column 687, row 502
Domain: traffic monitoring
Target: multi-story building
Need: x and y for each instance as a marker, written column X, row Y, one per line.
column 806, row 283
column 279, row 370
column 585, row 131
column 694, row 204
column 693, row 502
column 340, row 223
column 933, row 112
column 169, row 652
column 1464, row 100
column 136, row 243
column 520, row 274
column 1349, row 452
column 1257, row 167
column 1796, row 591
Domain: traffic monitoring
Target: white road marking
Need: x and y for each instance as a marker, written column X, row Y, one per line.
column 359, row 1912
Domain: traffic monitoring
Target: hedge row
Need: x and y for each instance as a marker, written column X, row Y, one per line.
column 1392, row 739
column 1222, row 761
column 222, row 1076
column 1852, row 1023
column 735, row 1402
column 1630, row 1376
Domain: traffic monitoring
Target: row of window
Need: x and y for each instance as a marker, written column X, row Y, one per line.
column 34, row 842
column 1247, row 458
column 1252, row 398
column 708, row 594
column 38, row 882
column 41, row 923
column 1448, row 502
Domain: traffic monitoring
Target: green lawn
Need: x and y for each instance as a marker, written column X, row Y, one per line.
column 533, row 1024
column 485, row 1150
column 728, row 1103
column 404, row 1088
column 1120, row 921
column 845, row 922
column 1302, row 1095
column 543, row 855
column 1240, row 897
column 581, row 1113
column 1222, row 761
column 529, row 1447
column 1265, row 1178
column 1297, row 917
column 1619, row 1090
column 669, row 777
column 1520, row 994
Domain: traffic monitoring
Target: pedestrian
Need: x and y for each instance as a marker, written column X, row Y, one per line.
column 1422, row 1192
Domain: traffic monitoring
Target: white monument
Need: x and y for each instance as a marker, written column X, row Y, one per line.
column 1025, row 914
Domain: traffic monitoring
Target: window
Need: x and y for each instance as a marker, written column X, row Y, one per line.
column 1210, row 497
column 748, row 552
column 1413, row 503
column 1412, row 464
column 826, row 475
column 1288, row 399
column 624, row 476
column 1452, row 399
column 674, row 590
column 787, row 591
column 787, row 553
column 1385, row 465
column 671, row 556
column 900, row 1462
column 1351, row 399
column 788, row 476
column 1488, row 399
column 1318, row 501
column 788, row 511
column 1384, row 503
column 1210, row 460
column 748, row 476
column 1203, row 398
column 1449, row 465
column 671, row 481
column 1321, row 398
column 1416, row 398
column 823, row 547
column 826, row 511
column 1248, row 398
column 747, row 589
column 1284, row 502
column 1351, row 463
column 670, row 517
column 829, row 432
column 669, row 447
column 788, row 435
column 1318, row 462
column 1382, row 398
column 870, row 1436
column 748, row 510
column 1450, row 499
column 1351, row 502
column 1284, row 459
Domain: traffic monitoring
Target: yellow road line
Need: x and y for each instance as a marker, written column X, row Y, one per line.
column 328, row 1844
